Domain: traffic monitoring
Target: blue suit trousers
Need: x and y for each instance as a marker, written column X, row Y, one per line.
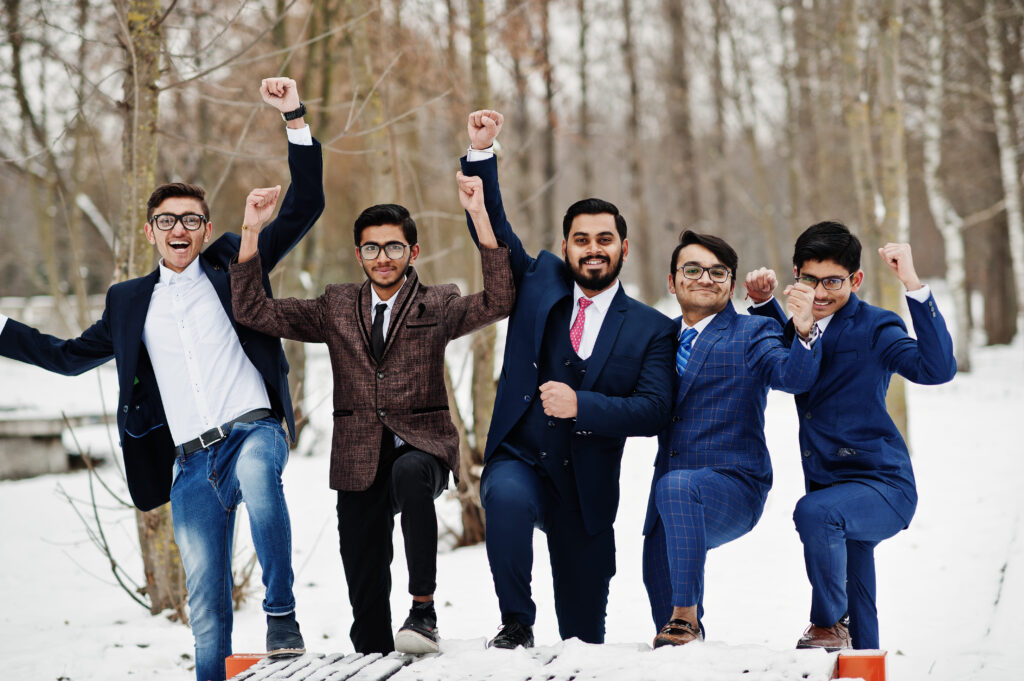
column 517, row 498
column 698, row 510
column 840, row 527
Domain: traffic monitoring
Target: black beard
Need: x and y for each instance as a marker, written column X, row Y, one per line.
column 593, row 282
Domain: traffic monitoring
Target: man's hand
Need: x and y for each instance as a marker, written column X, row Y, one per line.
column 471, row 193
column 483, row 126
column 900, row 261
column 559, row 400
column 800, row 306
column 760, row 284
column 259, row 206
column 280, row 93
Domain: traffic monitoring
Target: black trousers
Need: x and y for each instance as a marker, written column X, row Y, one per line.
column 407, row 482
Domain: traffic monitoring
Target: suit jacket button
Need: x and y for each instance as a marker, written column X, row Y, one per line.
column 125, row 409
column 807, row 416
column 565, row 463
column 676, row 419
column 543, row 455
column 380, row 374
column 526, row 398
column 673, row 453
column 566, row 363
column 381, row 413
column 551, row 424
column 807, row 453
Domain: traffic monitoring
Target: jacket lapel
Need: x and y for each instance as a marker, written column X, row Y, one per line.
column 135, row 323
column 606, row 337
column 364, row 311
column 714, row 332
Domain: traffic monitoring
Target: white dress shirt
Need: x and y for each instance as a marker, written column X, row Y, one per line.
column 205, row 377
column 594, row 316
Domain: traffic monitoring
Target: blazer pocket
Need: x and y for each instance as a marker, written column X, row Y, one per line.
column 426, row 320
column 342, row 412
column 428, row 410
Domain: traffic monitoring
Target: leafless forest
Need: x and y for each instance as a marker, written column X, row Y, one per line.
column 750, row 119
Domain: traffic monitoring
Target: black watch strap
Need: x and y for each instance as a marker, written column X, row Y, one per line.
column 297, row 113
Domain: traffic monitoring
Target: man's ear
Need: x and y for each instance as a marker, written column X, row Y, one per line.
column 414, row 252
column 563, row 249
column 858, row 279
column 209, row 231
column 672, row 284
column 625, row 248
column 150, row 237
column 796, row 271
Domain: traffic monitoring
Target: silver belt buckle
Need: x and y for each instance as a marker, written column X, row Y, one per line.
column 203, row 444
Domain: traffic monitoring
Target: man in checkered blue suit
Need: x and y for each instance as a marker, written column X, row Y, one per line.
column 712, row 473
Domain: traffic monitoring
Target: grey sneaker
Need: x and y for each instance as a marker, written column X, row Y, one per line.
column 283, row 636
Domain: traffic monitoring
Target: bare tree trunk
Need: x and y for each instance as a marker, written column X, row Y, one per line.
column 894, row 225
column 142, row 42
column 586, row 163
column 788, row 73
column 518, row 43
column 643, row 246
column 684, row 168
column 718, row 126
column 1008, row 168
column 548, row 215
column 946, row 218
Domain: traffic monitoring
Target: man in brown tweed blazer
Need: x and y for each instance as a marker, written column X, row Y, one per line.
column 394, row 441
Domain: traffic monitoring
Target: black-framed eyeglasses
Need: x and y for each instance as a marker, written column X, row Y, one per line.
column 393, row 249
column 165, row 221
column 716, row 273
column 828, row 283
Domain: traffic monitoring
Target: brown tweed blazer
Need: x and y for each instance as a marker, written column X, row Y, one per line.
column 406, row 391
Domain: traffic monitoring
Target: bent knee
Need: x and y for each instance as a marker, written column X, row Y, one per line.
column 678, row 487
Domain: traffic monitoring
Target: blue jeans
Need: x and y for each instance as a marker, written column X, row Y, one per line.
column 700, row 509
column 208, row 486
column 840, row 527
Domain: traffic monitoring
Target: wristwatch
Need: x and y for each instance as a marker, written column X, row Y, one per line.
column 297, row 113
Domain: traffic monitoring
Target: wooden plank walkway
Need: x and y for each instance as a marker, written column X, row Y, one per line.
column 566, row 661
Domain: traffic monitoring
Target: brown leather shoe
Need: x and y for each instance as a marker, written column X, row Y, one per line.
column 677, row 633
column 836, row 637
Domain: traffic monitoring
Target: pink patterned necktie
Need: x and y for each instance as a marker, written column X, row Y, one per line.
column 576, row 332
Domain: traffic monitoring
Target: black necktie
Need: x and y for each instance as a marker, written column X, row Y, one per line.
column 377, row 332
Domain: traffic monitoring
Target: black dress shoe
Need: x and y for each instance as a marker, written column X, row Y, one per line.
column 283, row 636
column 512, row 635
column 419, row 633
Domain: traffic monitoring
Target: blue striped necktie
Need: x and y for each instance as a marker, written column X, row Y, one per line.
column 685, row 346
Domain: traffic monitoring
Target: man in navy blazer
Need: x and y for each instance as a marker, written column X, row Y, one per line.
column 857, row 473
column 713, row 472
column 585, row 367
column 201, row 398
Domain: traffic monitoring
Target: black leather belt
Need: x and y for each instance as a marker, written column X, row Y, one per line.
column 215, row 435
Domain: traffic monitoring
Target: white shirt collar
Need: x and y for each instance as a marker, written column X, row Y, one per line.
column 191, row 273
column 602, row 301
column 698, row 327
column 390, row 302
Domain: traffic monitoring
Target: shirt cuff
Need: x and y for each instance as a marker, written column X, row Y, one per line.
column 753, row 304
column 921, row 295
column 812, row 339
column 479, row 154
column 301, row 136
column 3, row 322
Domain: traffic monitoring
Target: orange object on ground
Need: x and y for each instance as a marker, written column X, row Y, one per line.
column 238, row 663
column 861, row 664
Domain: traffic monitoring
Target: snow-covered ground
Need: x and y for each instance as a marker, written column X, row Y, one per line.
column 950, row 587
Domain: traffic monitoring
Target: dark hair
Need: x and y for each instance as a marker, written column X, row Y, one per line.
column 828, row 240
column 725, row 253
column 174, row 190
column 593, row 207
column 385, row 214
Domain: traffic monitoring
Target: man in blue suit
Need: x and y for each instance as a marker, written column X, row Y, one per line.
column 585, row 367
column 857, row 473
column 201, row 398
column 713, row 472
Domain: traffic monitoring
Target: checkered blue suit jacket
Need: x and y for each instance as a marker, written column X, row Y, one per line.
column 718, row 413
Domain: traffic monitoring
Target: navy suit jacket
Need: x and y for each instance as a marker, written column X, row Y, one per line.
column 846, row 433
column 628, row 384
column 718, row 414
column 142, row 426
